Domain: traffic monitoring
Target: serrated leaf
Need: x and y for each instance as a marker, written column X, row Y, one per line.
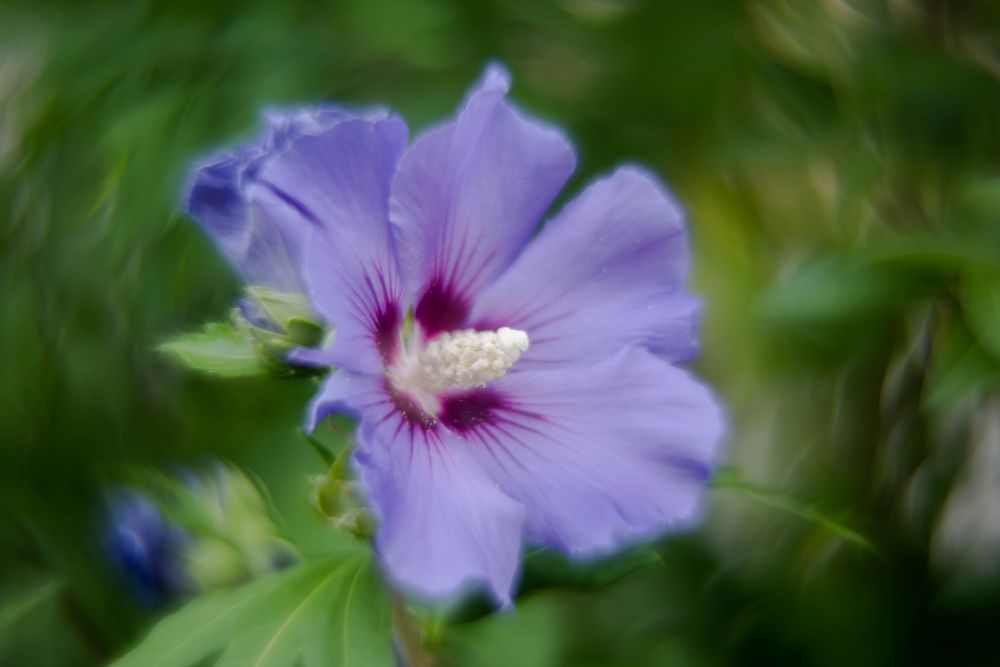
column 333, row 611
column 357, row 630
column 197, row 630
column 219, row 349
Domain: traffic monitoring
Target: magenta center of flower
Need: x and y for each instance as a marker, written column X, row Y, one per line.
column 424, row 372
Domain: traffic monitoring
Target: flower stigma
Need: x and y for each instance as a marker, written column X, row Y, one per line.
column 454, row 360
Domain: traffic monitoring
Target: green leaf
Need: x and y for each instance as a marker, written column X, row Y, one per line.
column 333, row 611
column 729, row 479
column 356, row 630
column 545, row 568
column 533, row 635
column 959, row 367
column 830, row 291
column 196, row 631
column 981, row 300
column 14, row 610
column 331, row 615
column 219, row 349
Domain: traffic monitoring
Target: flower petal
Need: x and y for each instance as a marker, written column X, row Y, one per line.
column 444, row 524
column 466, row 198
column 600, row 455
column 264, row 251
column 342, row 391
column 338, row 181
column 608, row 271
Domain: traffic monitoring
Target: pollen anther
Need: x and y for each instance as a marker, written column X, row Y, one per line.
column 469, row 358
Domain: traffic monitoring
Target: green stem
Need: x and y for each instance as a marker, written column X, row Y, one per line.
column 324, row 452
column 408, row 637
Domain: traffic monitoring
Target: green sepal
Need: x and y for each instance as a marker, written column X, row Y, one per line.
column 304, row 332
column 290, row 312
column 240, row 348
column 292, row 323
column 336, row 497
column 220, row 349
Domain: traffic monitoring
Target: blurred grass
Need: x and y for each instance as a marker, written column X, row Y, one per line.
column 839, row 163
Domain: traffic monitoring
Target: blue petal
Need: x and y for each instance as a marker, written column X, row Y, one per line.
column 445, row 526
column 600, row 454
column 466, row 198
column 608, row 271
column 336, row 185
column 264, row 250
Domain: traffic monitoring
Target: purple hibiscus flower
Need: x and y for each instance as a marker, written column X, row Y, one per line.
column 508, row 389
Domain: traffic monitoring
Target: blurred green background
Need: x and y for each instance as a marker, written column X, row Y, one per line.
column 840, row 162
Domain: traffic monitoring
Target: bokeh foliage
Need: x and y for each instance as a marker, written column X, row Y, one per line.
column 840, row 161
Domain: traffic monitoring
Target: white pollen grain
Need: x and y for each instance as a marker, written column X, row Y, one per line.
column 469, row 358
